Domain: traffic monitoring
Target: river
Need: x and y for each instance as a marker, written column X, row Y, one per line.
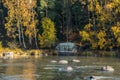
column 43, row 69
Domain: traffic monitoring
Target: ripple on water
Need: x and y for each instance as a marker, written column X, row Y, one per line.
column 49, row 71
column 52, row 68
column 17, row 77
column 13, row 64
column 84, row 67
column 103, row 78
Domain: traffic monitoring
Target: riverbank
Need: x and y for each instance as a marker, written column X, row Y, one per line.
column 18, row 53
column 99, row 53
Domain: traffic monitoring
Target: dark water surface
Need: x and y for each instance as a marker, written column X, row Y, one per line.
column 44, row 69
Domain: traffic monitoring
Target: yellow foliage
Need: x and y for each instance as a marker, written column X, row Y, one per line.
column 21, row 15
column 98, row 8
column 118, row 40
column 85, row 35
column 92, row 33
column 88, row 26
column 94, row 45
column 116, row 31
column 1, row 47
column 109, row 6
column 90, row 7
column 48, row 37
column 42, row 42
column 101, row 36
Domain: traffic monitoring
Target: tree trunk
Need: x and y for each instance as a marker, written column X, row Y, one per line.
column 30, row 41
column 23, row 39
column 93, row 15
column 35, row 38
column 19, row 33
column 46, row 10
column 68, row 18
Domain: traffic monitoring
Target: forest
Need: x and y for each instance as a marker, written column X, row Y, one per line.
column 35, row 24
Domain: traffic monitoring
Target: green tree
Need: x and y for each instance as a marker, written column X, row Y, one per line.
column 45, row 8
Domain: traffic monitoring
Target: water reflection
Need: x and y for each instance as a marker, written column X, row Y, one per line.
column 29, row 71
column 43, row 69
column 10, row 70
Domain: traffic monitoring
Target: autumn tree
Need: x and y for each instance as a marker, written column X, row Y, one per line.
column 96, row 22
column 29, row 21
column 103, row 26
column 21, row 20
column 48, row 36
column 2, row 20
column 11, row 28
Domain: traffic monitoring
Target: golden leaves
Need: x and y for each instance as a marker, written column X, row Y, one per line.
column 88, row 26
column 21, row 13
column 48, row 37
column 116, row 32
column 101, row 36
column 85, row 35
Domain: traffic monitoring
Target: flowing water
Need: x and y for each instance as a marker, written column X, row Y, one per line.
column 44, row 69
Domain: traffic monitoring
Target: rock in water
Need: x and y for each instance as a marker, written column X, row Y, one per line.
column 63, row 62
column 76, row 60
column 53, row 61
column 107, row 68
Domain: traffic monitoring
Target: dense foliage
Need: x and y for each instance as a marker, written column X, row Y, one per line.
column 48, row 36
column 41, row 23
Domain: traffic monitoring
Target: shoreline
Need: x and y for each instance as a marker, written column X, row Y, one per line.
column 18, row 53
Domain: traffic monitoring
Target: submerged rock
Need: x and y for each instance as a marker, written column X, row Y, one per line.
column 53, row 61
column 92, row 78
column 67, row 69
column 76, row 78
column 98, row 78
column 76, row 60
column 107, row 68
column 63, row 62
